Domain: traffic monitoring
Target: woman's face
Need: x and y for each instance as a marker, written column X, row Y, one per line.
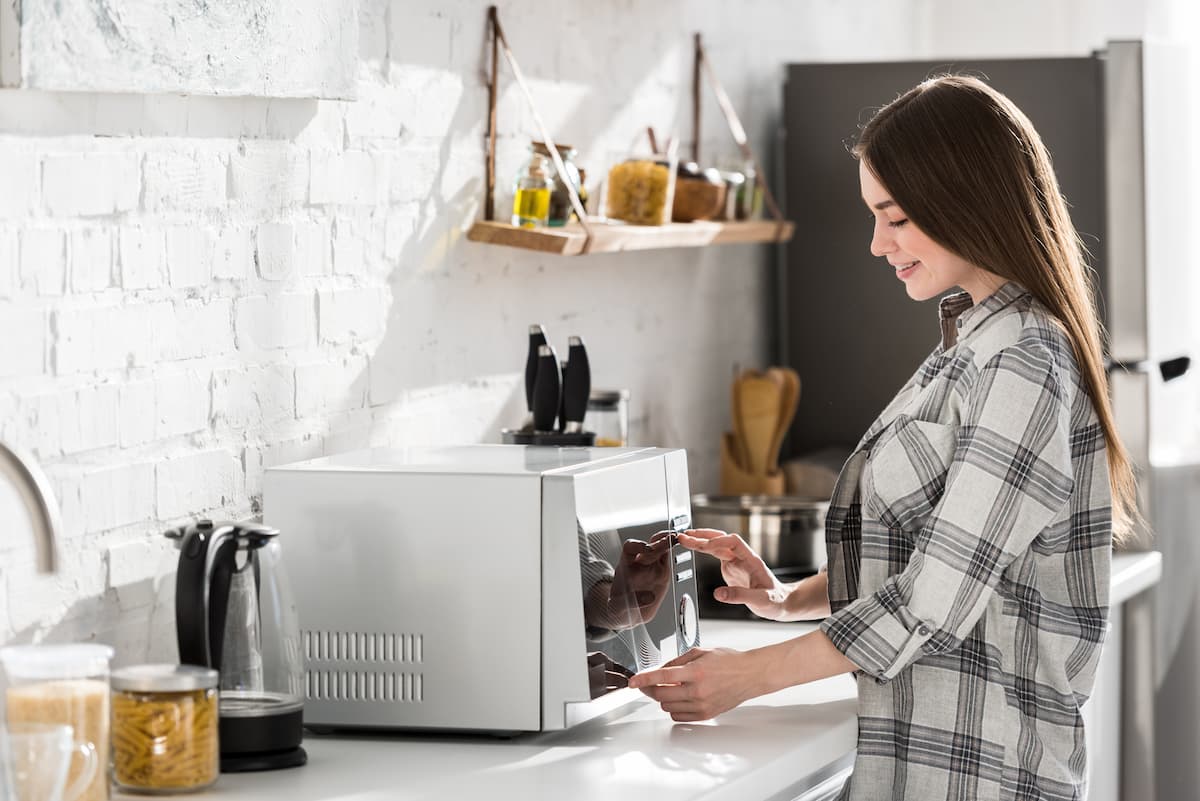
column 926, row 268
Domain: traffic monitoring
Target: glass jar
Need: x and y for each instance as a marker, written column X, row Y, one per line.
column 63, row 684
column 531, row 193
column 164, row 728
column 561, row 211
column 640, row 189
column 608, row 416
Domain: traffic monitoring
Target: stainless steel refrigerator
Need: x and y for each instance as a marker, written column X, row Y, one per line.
column 1117, row 124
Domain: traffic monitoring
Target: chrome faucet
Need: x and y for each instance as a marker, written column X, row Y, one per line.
column 31, row 484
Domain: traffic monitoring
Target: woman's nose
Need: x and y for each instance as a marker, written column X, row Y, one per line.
column 881, row 239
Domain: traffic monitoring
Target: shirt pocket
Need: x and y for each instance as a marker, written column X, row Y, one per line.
column 906, row 472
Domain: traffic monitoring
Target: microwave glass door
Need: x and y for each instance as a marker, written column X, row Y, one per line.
column 639, row 593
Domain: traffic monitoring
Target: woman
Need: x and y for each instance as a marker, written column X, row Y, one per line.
column 970, row 532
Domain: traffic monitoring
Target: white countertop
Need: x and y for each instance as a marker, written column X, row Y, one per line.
column 774, row 746
column 633, row 753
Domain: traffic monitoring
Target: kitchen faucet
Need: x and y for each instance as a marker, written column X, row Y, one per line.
column 35, row 492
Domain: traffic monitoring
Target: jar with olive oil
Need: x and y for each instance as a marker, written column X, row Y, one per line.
column 531, row 193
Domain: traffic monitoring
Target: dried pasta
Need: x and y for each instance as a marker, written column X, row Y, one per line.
column 165, row 740
column 639, row 192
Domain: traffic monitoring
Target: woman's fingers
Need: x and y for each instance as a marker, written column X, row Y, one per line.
column 716, row 543
column 743, row 595
column 674, row 672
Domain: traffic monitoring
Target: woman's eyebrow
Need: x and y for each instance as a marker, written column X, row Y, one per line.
column 883, row 204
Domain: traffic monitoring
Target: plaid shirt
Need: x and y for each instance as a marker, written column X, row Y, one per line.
column 969, row 541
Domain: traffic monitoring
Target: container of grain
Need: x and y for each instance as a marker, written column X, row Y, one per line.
column 63, row 684
column 164, row 729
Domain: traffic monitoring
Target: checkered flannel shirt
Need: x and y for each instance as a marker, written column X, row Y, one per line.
column 969, row 542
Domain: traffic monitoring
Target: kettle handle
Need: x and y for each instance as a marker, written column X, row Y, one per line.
column 207, row 557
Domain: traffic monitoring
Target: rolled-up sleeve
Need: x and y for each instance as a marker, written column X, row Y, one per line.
column 1009, row 478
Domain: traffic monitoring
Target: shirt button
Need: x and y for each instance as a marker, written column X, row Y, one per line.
column 923, row 631
column 881, row 681
column 958, row 323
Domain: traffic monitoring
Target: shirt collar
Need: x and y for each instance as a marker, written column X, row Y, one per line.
column 959, row 316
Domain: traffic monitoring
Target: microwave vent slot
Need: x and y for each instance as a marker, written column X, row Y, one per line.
column 364, row 685
column 359, row 646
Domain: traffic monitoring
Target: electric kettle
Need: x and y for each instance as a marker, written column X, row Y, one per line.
column 234, row 612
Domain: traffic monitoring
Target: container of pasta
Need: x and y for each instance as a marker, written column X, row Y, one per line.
column 164, row 728
column 640, row 189
column 63, row 684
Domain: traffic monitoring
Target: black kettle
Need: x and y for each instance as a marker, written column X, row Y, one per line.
column 234, row 612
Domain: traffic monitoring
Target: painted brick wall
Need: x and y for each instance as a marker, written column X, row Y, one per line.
column 193, row 289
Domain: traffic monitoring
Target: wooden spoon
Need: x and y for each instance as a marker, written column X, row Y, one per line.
column 787, row 412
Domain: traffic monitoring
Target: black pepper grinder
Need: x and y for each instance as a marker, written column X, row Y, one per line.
column 547, row 389
column 537, row 338
column 577, row 386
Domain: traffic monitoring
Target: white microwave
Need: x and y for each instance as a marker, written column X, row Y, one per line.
column 498, row 588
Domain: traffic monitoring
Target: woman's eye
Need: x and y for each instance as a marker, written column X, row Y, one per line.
column 898, row 223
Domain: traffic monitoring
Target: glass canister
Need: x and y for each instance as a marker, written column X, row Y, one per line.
column 164, row 728
column 531, row 192
column 640, row 189
column 560, row 211
column 608, row 416
column 63, row 684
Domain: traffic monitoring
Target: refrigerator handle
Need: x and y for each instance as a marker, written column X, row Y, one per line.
column 1169, row 369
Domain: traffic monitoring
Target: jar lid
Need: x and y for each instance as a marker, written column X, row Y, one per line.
column 607, row 397
column 62, row 661
column 164, row 678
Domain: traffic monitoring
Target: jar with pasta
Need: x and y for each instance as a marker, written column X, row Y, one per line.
column 164, row 728
column 640, row 189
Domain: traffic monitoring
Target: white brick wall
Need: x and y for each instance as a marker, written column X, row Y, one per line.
column 193, row 289
column 90, row 184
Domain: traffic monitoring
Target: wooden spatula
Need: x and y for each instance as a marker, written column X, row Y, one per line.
column 759, row 402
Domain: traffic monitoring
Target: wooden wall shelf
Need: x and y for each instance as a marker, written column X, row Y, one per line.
column 572, row 240
column 590, row 235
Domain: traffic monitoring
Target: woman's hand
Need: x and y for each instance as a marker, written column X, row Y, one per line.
column 752, row 583
column 702, row 683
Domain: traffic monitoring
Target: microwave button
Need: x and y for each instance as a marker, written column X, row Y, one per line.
column 683, row 575
column 683, row 556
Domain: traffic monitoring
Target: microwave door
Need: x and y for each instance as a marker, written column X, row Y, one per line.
column 639, row 600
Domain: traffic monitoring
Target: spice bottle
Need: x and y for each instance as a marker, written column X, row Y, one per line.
column 561, row 211
column 531, row 193
column 164, row 728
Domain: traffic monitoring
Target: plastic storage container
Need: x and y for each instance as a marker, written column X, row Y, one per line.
column 63, row 684
column 164, row 729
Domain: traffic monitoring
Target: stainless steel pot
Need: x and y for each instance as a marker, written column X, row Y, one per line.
column 788, row 532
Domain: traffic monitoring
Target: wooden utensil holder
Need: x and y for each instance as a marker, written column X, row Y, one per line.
column 736, row 481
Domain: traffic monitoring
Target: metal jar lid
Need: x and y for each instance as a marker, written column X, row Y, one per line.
column 164, row 678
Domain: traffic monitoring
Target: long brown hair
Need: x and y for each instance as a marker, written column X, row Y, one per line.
column 968, row 168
